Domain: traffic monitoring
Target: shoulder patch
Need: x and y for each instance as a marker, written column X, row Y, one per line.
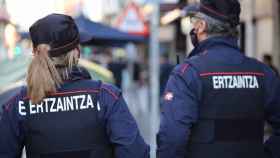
column 168, row 96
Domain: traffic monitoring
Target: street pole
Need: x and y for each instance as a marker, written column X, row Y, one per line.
column 276, row 29
column 154, row 75
column 250, row 38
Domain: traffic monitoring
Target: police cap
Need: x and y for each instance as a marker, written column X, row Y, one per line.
column 57, row 30
column 223, row 10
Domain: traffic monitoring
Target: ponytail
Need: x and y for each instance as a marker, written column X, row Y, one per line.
column 43, row 77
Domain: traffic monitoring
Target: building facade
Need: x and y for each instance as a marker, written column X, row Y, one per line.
column 261, row 20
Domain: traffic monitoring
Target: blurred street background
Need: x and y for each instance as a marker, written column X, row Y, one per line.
column 133, row 44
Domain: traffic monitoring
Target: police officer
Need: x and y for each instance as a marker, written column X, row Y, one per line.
column 216, row 102
column 62, row 113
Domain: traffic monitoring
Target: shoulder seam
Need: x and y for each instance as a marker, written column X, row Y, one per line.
column 110, row 92
column 184, row 68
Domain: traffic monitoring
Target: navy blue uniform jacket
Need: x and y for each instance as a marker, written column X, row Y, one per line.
column 120, row 126
column 183, row 92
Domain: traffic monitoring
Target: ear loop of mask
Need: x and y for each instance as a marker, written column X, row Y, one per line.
column 193, row 33
column 194, row 38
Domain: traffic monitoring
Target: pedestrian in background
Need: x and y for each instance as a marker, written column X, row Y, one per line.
column 165, row 69
column 216, row 102
column 62, row 113
column 267, row 59
column 116, row 67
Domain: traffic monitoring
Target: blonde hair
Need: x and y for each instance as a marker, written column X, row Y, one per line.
column 46, row 74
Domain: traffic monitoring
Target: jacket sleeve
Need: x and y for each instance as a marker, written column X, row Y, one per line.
column 11, row 135
column 272, row 109
column 122, row 128
column 179, row 111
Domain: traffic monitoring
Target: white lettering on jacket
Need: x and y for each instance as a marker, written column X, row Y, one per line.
column 235, row 82
column 59, row 104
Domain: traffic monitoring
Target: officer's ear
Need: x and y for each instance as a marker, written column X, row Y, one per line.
column 202, row 27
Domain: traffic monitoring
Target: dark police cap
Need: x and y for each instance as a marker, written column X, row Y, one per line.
column 57, row 30
column 223, row 10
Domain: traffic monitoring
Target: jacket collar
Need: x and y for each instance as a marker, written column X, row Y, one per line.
column 78, row 73
column 212, row 42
